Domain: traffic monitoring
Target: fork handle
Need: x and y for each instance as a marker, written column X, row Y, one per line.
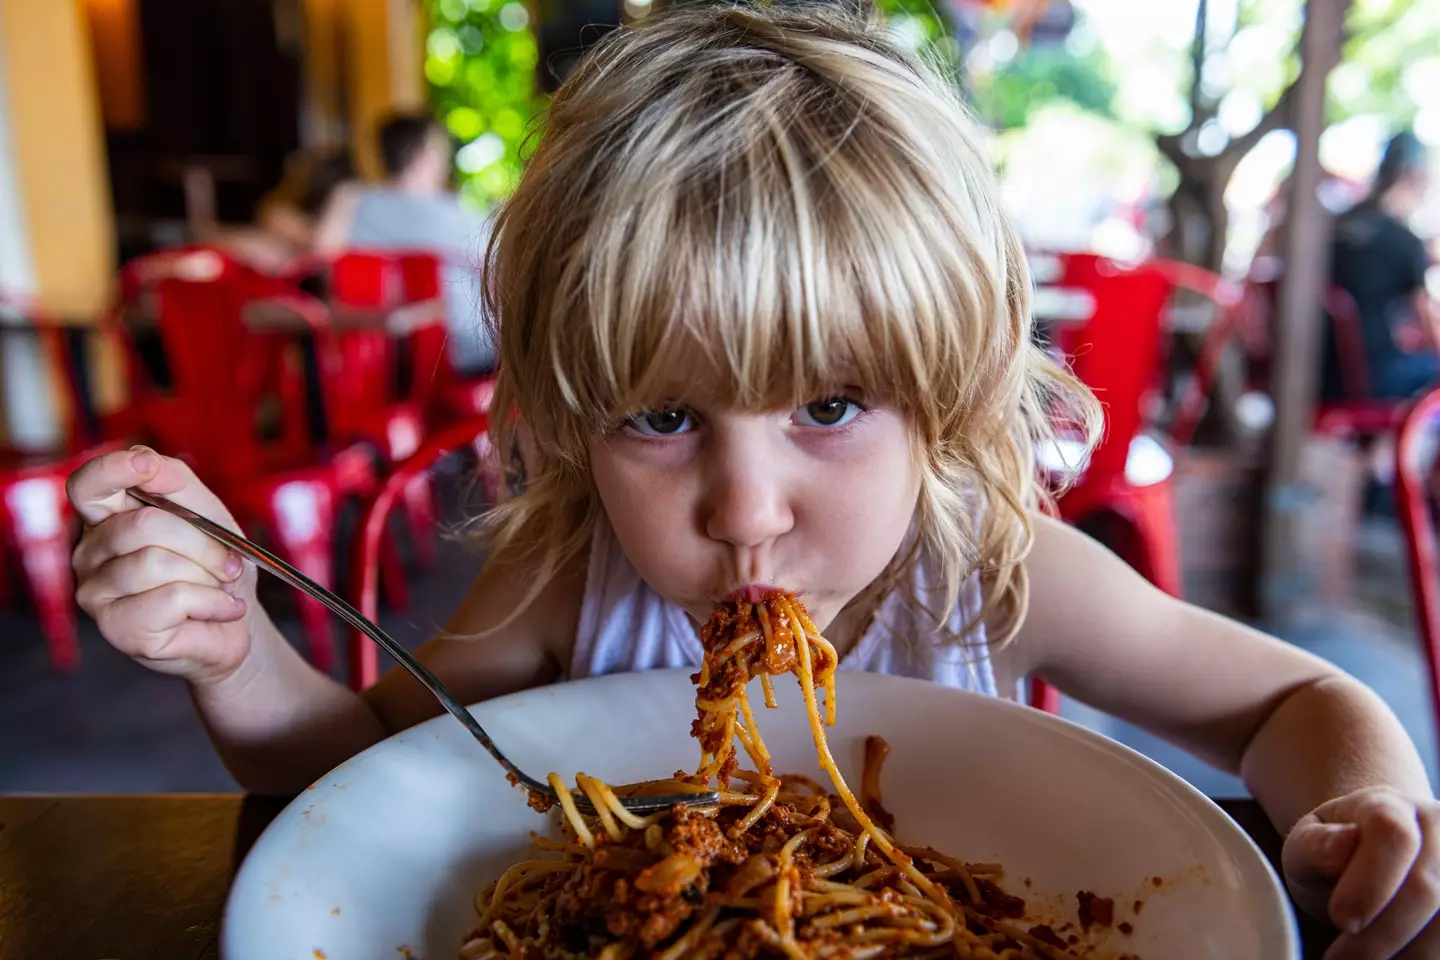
column 279, row 568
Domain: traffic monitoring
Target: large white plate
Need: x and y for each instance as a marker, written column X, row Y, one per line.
column 385, row 854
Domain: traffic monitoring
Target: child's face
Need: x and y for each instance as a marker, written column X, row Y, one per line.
column 707, row 500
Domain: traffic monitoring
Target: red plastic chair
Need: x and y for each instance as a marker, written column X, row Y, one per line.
column 373, row 398
column 1116, row 347
column 223, row 374
column 37, row 523
column 1415, row 490
column 131, row 322
column 364, row 657
column 1360, row 414
column 1116, row 351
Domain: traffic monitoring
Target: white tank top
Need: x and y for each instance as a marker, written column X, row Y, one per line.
column 626, row 626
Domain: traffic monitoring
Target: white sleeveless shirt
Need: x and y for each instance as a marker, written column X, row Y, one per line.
column 626, row 626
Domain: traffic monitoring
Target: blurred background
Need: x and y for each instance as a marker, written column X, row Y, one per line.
column 246, row 231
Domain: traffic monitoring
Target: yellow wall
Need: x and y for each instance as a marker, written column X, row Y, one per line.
column 58, row 153
column 383, row 63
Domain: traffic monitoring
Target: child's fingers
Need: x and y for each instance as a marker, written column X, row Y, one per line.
column 1406, row 916
column 1390, row 839
column 144, row 625
column 97, row 488
column 1317, row 853
column 137, row 530
column 139, row 572
column 1424, row 947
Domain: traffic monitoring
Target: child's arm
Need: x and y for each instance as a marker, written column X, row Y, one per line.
column 178, row 603
column 279, row 724
column 1315, row 746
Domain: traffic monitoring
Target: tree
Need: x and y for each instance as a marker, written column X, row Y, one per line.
column 480, row 61
column 1383, row 38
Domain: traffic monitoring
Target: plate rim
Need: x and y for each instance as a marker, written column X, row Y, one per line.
column 1217, row 820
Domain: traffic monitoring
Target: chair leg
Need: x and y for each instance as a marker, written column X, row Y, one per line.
column 7, row 577
column 419, row 499
column 392, row 572
column 302, row 521
column 46, row 564
column 1159, row 542
column 1044, row 697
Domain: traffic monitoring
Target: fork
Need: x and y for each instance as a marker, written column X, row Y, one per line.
column 267, row 561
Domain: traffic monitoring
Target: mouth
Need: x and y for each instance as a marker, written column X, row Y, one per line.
column 751, row 593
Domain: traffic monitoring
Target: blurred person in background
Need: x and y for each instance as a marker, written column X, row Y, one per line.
column 286, row 219
column 415, row 209
column 1379, row 261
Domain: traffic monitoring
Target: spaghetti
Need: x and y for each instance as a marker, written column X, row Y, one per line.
column 781, row 868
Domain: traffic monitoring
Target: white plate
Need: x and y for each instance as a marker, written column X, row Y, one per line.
column 386, row 853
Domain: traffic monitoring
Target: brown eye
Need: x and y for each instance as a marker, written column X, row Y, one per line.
column 830, row 412
column 662, row 423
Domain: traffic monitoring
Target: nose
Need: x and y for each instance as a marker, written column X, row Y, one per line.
column 746, row 501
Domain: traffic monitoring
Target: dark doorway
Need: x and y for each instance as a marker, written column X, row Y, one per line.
column 222, row 82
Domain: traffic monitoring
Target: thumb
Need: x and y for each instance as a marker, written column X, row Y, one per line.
column 1317, row 853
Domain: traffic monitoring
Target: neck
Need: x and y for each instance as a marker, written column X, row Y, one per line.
column 1397, row 205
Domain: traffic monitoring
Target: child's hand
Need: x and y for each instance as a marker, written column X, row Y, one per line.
column 161, row 591
column 1370, row 862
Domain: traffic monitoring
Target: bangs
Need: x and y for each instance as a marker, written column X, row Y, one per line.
column 777, row 236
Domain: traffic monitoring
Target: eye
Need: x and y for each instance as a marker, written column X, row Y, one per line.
column 830, row 412
column 662, row 423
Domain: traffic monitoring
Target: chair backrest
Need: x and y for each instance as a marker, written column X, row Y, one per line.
column 365, row 575
column 1114, row 346
column 1415, row 491
column 366, row 279
column 1348, row 329
column 381, row 367
column 384, row 279
column 1234, row 316
column 221, row 373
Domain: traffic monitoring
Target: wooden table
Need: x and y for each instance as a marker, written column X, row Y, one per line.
column 145, row 877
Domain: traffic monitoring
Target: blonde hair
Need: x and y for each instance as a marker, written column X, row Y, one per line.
column 785, row 195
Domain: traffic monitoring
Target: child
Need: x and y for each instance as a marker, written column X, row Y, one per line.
column 767, row 327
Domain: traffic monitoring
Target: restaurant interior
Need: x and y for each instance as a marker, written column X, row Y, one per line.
column 168, row 169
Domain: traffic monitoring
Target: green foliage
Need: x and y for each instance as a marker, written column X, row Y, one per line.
column 1390, row 61
column 1040, row 75
column 480, row 60
column 919, row 26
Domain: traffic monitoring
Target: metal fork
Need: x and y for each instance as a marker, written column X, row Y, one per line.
column 274, row 565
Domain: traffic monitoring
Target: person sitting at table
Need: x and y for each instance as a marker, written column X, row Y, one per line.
column 414, row 209
column 286, row 218
column 1379, row 261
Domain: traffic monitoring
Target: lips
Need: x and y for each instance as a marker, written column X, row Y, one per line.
column 751, row 593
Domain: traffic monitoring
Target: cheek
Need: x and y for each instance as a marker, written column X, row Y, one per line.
column 862, row 508
column 643, row 503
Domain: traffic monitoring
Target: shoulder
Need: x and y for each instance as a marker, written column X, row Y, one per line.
column 465, row 217
column 332, row 231
column 1076, row 586
column 548, row 620
column 349, row 194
